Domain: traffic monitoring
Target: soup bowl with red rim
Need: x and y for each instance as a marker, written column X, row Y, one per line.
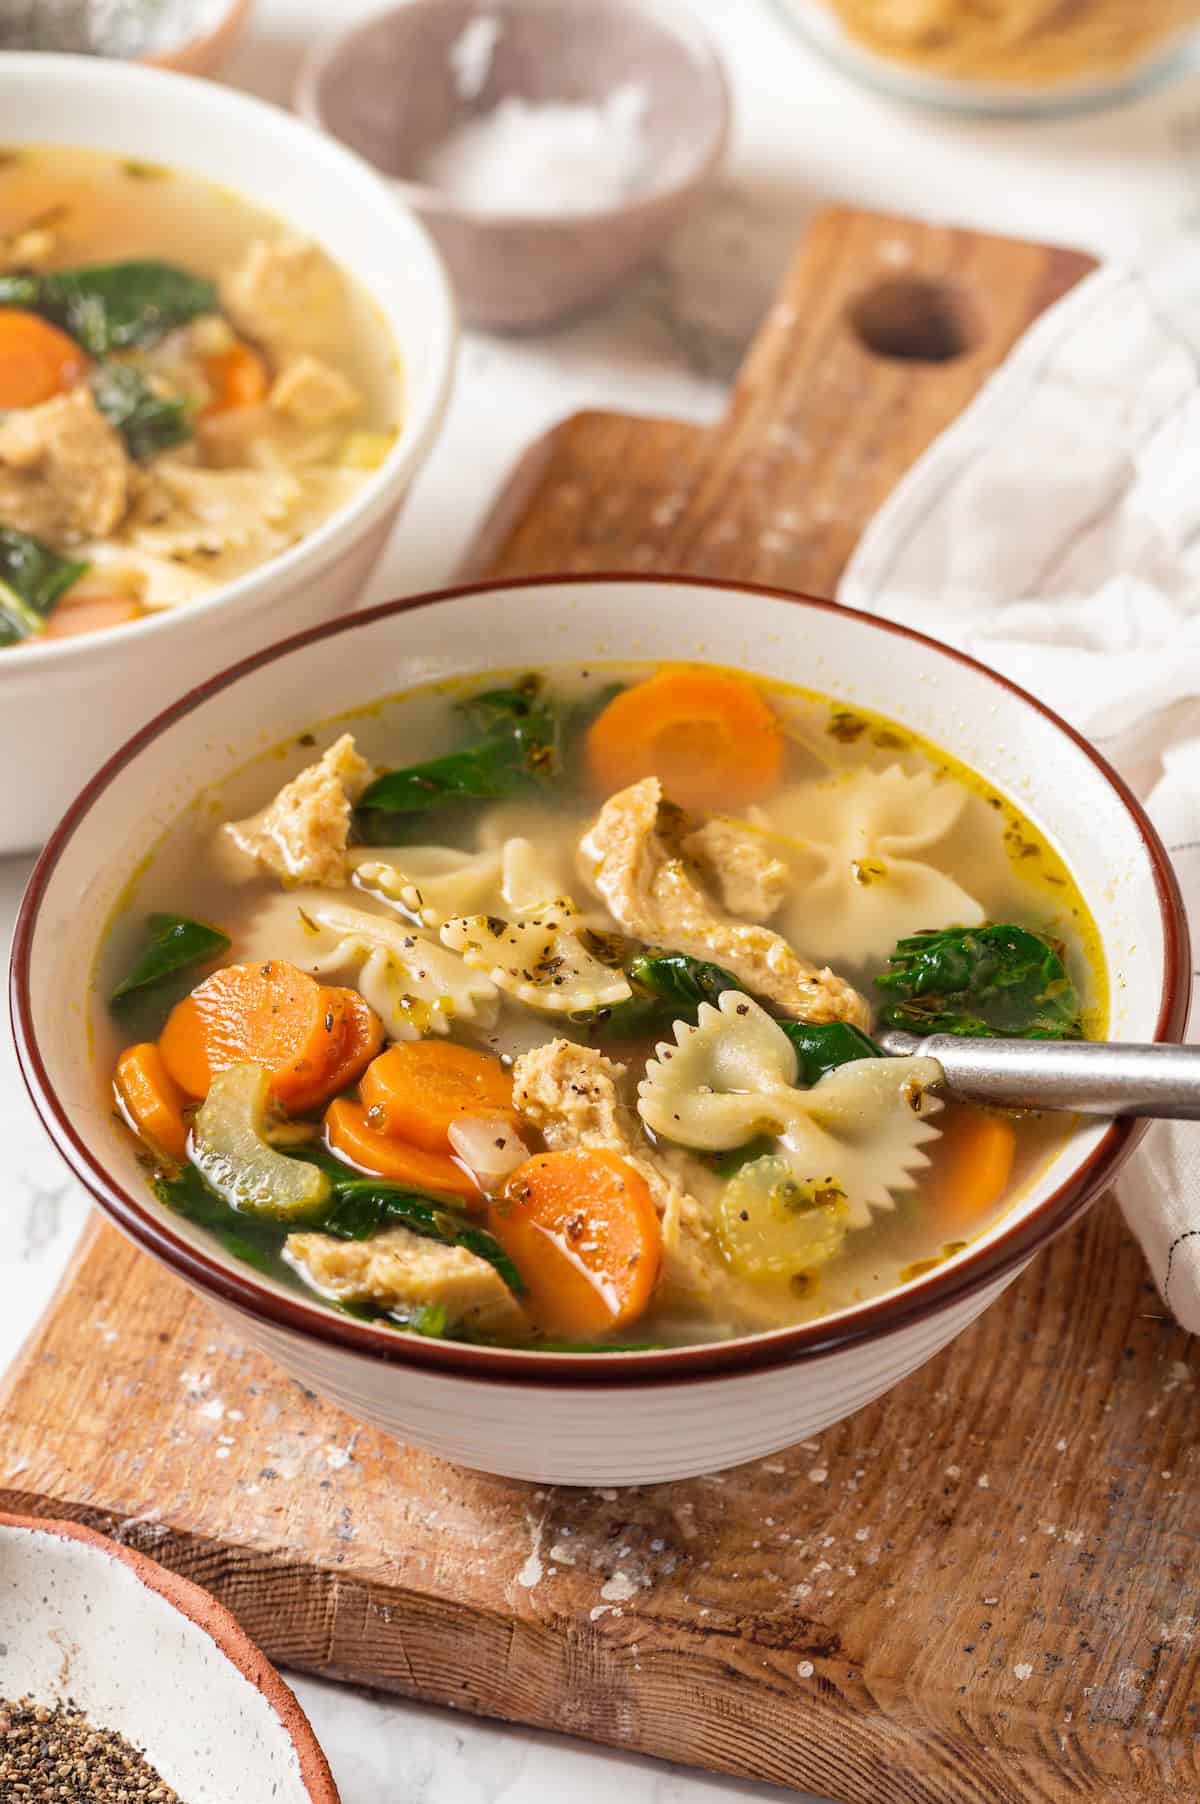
column 591, row 1418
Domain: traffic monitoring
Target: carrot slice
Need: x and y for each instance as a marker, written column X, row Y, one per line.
column 37, row 361
column 417, row 1088
column 273, row 1015
column 708, row 736
column 352, row 1137
column 237, row 377
column 973, row 1163
column 90, row 614
column 583, row 1232
column 150, row 1100
column 362, row 1036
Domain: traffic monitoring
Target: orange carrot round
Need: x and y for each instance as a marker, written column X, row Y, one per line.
column 270, row 1014
column 350, row 1135
column 416, row 1089
column 973, row 1162
column 150, row 1100
column 90, row 614
column 361, row 1038
column 237, row 377
column 707, row 735
column 37, row 361
column 583, row 1232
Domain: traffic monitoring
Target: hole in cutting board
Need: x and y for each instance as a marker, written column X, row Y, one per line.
column 912, row 321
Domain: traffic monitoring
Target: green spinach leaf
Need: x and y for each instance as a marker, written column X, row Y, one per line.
column 982, row 981
column 112, row 306
column 667, row 987
column 254, row 1239
column 361, row 1206
column 33, row 577
column 517, row 746
column 175, row 943
column 148, row 421
column 821, row 1046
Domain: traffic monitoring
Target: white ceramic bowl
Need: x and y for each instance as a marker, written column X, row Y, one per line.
column 144, row 1652
column 571, row 1418
column 66, row 705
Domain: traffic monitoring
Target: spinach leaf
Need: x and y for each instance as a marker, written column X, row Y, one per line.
column 361, row 1206
column 147, row 421
column 175, row 943
column 112, row 306
column 727, row 1165
column 517, row 746
column 821, row 1046
column 667, row 987
column 985, row 981
column 254, row 1239
column 32, row 579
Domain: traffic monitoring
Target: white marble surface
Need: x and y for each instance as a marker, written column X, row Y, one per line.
column 668, row 346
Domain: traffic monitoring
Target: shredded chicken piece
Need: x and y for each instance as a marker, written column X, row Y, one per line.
column 301, row 836
column 654, row 895
column 399, row 1269
column 64, row 472
column 312, row 392
column 738, row 865
column 287, row 295
column 569, row 1092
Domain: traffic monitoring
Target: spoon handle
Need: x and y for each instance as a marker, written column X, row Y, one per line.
column 1079, row 1076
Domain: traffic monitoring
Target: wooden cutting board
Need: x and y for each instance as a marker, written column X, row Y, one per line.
column 984, row 1589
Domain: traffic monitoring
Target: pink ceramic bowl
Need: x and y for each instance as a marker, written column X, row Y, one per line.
column 592, row 1418
column 387, row 88
column 142, row 1651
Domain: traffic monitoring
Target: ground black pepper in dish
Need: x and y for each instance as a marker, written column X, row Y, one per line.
column 56, row 1756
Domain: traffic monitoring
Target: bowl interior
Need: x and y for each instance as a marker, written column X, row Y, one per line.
column 389, row 89
column 1001, row 734
column 80, row 1623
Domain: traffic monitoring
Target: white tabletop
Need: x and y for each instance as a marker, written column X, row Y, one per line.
column 667, row 346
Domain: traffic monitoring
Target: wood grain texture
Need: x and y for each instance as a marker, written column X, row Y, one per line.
column 984, row 1589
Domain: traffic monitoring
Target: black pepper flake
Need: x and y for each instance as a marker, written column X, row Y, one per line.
column 56, row 1756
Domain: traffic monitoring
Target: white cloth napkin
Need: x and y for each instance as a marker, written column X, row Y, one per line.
column 1054, row 533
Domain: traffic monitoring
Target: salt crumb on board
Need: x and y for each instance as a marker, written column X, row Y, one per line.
column 543, row 157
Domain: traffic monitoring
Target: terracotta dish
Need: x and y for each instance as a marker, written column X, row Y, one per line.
column 148, row 1654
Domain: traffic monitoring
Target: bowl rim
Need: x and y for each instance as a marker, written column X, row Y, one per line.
column 436, row 203
column 350, row 522
column 150, row 1226
column 213, row 1619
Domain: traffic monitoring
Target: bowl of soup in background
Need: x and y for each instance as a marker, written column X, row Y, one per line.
column 66, row 705
column 614, row 1417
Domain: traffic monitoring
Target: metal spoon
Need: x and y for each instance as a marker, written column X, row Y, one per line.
column 1082, row 1077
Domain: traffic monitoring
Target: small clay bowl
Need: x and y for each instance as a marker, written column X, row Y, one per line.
column 203, row 54
column 388, row 89
column 144, row 1652
column 196, row 55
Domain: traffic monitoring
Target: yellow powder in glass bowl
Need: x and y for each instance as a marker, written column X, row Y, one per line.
column 1032, row 42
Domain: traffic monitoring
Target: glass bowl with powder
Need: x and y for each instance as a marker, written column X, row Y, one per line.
column 1008, row 56
column 550, row 145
